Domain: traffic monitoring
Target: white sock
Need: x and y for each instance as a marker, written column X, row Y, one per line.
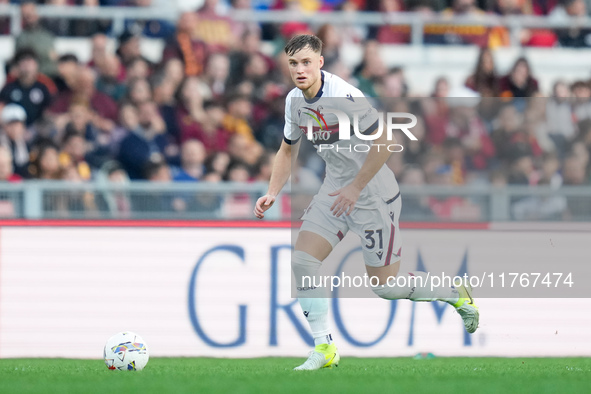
column 415, row 286
column 312, row 299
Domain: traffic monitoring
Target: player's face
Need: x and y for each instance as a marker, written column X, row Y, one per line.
column 304, row 68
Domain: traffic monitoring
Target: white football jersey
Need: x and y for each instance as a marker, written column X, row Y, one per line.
column 344, row 157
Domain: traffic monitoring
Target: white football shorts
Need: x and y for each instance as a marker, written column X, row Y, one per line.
column 378, row 228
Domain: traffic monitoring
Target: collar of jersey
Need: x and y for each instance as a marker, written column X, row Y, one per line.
column 319, row 94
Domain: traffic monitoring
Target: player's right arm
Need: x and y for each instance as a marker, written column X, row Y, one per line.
column 287, row 154
column 281, row 171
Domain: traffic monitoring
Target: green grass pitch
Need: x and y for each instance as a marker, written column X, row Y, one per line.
column 274, row 375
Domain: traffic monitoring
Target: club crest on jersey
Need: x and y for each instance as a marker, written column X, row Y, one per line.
column 317, row 116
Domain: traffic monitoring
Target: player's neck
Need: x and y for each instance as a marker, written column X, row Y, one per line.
column 313, row 90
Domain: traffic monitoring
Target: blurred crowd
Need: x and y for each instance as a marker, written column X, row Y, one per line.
column 212, row 109
column 569, row 12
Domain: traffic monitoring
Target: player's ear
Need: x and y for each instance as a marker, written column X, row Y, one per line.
column 321, row 61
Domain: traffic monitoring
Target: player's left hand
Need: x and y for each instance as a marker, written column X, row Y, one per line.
column 346, row 200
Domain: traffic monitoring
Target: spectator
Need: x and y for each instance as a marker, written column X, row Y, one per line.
column 45, row 162
column 13, row 137
column 129, row 49
column 163, row 90
column 416, row 207
column 550, row 172
column 138, row 68
column 484, row 80
column 393, row 84
column 158, row 172
column 454, row 156
column 36, row 37
column 415, row 150
column 458, row 35
column 544, row 7
column 462, row 121
column 98, row 142
column 187, row 46
column 574, row 171
column 391, row 34
column 164, row 96
column 174, row 71
column 370, row 70
column 73, row 155
column 190, row 112
column 500, row 35
column 4, row 21
column 217, row 164
column 237, row 172
column 239, row 110
column 7, row 175
column 270, row 130
column 88, row 27
column 506, row 125
column 139, row 91
column 573, row 12
column 58, row 26
column 331, row 44
column 193, row 156
column 243, row 149
column 265, row 166
column 522, row 166
column 210, row 132
column 451, row 208
column 128, row 122
column 116, row 203
column 84, row 91
column 249, row 46
column 31, row 90
column 441, row 89
column 519, row 82
column 99, row 53
column 215, row 30
column 153, row 28
column 145, row 144
column 107, row 81
column 7, row 167
column 216, row 74
column 237, row 205
column 67, row 70
column 559, row 118
column 581, row 91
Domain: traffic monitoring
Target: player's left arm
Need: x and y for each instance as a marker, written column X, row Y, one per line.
column 347, row 196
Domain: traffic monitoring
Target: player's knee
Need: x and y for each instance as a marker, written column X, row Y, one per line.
column 304, row 265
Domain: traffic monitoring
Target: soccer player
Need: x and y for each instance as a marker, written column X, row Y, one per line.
column 359, row 193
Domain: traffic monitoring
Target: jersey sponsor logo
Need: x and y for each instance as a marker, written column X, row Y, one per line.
column 323, row 136
column 349, row 97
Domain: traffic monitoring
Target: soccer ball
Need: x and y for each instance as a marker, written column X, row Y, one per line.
column 126, row 351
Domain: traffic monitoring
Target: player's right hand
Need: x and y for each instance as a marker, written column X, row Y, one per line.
column 262, row 205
